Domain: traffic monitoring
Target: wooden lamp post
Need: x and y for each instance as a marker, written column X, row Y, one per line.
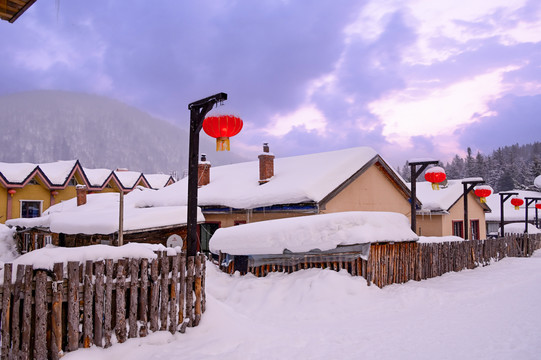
column 504, row 196
column 414, row 175
column 468, row 185
column 529, row 201
column 198, row 110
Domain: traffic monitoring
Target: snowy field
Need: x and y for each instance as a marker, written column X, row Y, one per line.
column 486, row 313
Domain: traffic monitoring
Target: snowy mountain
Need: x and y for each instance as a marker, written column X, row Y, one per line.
column 46, row 126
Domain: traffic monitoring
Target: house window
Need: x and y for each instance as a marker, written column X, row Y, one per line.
column 72, row 182
column 207, row 230
column 47, row 240
column 458, row 228
column 33, row 182
column 474, row 225
column 26, row 244
column 36, row 243
column 30, row 209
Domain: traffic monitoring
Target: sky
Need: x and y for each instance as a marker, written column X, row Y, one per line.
column 412, row 79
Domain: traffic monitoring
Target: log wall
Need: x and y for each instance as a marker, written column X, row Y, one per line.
column 395, row 263
column 47, row 313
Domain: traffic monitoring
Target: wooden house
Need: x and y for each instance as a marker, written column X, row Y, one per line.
column 27, row 190
column 355, row 179
column 13, row 9
column 442, row 211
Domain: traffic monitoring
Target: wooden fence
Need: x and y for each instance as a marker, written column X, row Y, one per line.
column 392, row 263
column 46, row 313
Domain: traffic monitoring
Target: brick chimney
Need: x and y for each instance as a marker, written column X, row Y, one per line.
column 266, row 165
column 203, row 171
column 81, row 194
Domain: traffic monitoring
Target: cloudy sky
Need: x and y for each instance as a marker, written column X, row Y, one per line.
column 412, row 79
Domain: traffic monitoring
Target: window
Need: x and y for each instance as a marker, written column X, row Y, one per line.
column 458, row 228
column 47, row 240
column 72, row 182
column 30, row 209
column 474, row 225
column 26, row 244
column 207, row 230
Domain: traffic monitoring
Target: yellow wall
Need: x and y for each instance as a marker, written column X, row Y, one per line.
column 30, row 192
column 372, row 191
column 3, row 204
column 430, row 225
column 227, row 220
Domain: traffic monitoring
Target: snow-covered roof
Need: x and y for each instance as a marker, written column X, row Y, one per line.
column 16, row 173
column 58, row 172
column 443, row 199
column 297, row 179
column 518, row 228
column 537, row 182
column 128, row 179
column 157, row 181
column 510, row 214
column 305, row 233
column 100, row 215
column 97, row 177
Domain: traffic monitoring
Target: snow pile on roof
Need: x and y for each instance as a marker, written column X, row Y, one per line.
column 518, row 228
column 157, row 181
column 439, row 239
column 46, row 257
column 58, row 172
column 296, row 179
column 100, row 215
column 537, row 182
column 510, row 214
column 128, row 179
column 441, row 199
column 8, row 248
column 16, row 173
column 305, row 233
column 97, row 177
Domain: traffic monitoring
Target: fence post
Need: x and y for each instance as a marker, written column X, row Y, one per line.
column 73, row 305
column 56, row 315
column 88, row 336
column 98, row 304
column 40, row 335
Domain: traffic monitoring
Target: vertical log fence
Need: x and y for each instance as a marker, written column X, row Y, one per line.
column 396, row 263
column 47, row 313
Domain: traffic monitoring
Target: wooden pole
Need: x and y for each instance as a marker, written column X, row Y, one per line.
column 121, row 219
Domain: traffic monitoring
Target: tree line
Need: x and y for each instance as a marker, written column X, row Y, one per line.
column 507, row 168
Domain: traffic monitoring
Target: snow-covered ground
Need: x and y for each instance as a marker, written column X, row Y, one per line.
column 486, row 313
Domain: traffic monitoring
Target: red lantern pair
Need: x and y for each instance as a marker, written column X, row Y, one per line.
column 516, row 202
column 435, row 175
column 222, row 127
column 483, row 191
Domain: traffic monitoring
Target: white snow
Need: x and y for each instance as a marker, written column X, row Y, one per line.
column 537, row 182
column 58, row 172
column 16, row 173
column 488, row 313
column 8, row 248
column 128, row 179
column 97, row 177
column 510, row 214
column 435, row 169
column 100, row 215
column 518, row 228
column 296, row 179
column 157, row 181
column 439, row 239
column 438, row 200
column 305, row 233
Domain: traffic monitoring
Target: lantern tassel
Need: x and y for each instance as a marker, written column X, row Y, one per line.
column 222, row 143
column 435, row 186
column 517, row 207
column 483, row 200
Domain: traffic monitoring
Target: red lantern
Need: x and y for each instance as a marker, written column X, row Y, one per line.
column 435, row 175
column 12, row 192
column 483, row 192
column 54, row 193
column 538, row 206
column 516, row 202
column 222, row 127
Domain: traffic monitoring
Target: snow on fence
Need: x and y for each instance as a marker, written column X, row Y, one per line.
column 392, row 263
column 46, row 313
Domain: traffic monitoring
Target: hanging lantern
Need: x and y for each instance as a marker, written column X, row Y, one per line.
column 483, row 191
column 516, row 202
column 538, row 206
column 54, row 193
column 222, row 127
column 12, row 192
column 435, row 175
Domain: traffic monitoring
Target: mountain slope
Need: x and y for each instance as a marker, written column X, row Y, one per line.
column 45, row 126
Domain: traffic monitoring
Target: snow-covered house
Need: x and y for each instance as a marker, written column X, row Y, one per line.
column 355, row 179
column 96, row 221
column 26, row 190
column 442, row 211
column 511, row 216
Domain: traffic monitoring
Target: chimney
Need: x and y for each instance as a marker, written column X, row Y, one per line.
column 203, row 171
column 266, row 165
column 81, row 194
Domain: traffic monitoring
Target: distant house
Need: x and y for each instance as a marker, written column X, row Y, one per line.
column 442, row 211
column 356, row 179
column 94, row 219
column 26, row 190
column 510, row 214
